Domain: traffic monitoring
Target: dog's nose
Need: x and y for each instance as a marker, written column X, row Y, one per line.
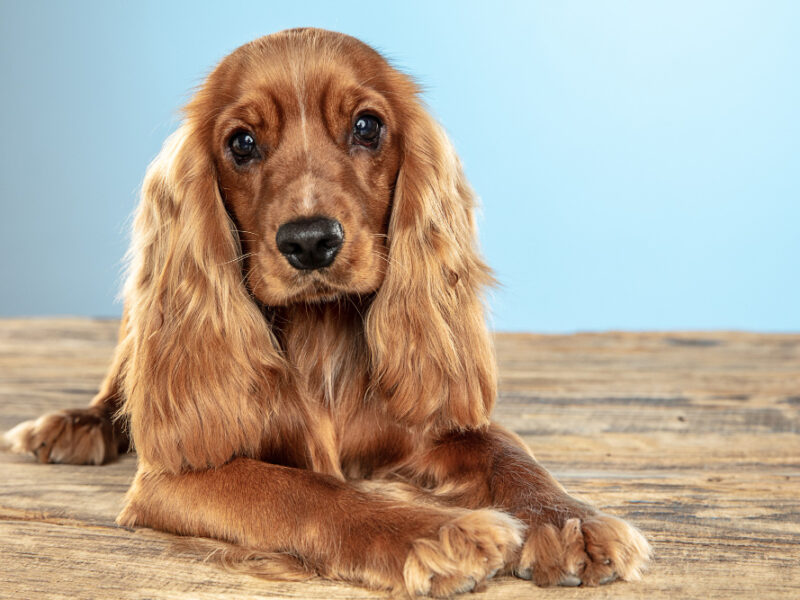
column 310, row 243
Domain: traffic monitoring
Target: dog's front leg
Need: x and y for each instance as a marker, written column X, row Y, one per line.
column 79, row 436
column 568, row 542
column 340, row 531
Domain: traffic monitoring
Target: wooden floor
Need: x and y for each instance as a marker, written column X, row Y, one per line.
column 693, row 437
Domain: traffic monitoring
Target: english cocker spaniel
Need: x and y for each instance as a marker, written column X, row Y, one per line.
column 304, row 369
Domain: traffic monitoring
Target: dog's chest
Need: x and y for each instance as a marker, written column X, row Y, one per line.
column 330, row 356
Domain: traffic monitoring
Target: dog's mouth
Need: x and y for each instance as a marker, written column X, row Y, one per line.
column 303, row 287
column 317, row 286
column 307, row 286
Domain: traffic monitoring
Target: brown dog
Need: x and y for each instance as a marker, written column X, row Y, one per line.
column 303, row 365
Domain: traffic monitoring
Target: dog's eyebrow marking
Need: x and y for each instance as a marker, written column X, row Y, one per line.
column 300, row 91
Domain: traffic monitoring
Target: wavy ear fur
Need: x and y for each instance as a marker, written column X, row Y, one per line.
column 430, row 348
column 202, row 359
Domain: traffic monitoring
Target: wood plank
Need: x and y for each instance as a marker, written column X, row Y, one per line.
column 695, row 437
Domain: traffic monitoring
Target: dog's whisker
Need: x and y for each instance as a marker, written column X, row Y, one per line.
column 238, row 258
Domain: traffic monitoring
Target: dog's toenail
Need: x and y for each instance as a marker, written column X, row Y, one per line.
column 570, row 581
column 525, row 573
column 492, row 574
column 608, row 579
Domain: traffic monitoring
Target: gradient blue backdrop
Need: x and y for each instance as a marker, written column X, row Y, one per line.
column 637, row 161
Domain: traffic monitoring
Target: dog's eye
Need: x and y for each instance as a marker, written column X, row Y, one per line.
column 367, row 131
column 243, row 146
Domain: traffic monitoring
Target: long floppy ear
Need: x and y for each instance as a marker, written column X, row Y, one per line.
column 431, row 353
column 202, row 359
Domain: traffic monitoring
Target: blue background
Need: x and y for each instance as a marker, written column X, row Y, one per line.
column 638, row 162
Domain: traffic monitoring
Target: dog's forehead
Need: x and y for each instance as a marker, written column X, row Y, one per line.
column 281, row 76
column 283, row 80
column 302, row 58
column 313, row 77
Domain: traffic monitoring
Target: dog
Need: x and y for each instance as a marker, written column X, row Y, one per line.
column 304, row 369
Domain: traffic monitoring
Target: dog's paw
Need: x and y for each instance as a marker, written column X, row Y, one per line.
column 593, row 551
column 465, row 552
column 79, row 437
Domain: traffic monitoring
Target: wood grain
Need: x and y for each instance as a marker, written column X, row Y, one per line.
column 695, row 437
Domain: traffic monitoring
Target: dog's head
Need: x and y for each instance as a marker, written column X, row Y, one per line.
column 305, row 131
column 307, row 170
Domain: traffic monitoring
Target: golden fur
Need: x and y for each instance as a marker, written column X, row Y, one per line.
column 332, row 421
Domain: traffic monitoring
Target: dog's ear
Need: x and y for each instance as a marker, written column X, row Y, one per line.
column 431, row 353
column 201, row 359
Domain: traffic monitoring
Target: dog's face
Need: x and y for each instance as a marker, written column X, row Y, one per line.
column 305, row 139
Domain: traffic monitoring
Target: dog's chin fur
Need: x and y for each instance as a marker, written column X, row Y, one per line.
column 314, row 287
column 318, row 295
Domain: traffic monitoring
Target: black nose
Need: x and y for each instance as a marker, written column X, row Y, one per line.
column 310, row 243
